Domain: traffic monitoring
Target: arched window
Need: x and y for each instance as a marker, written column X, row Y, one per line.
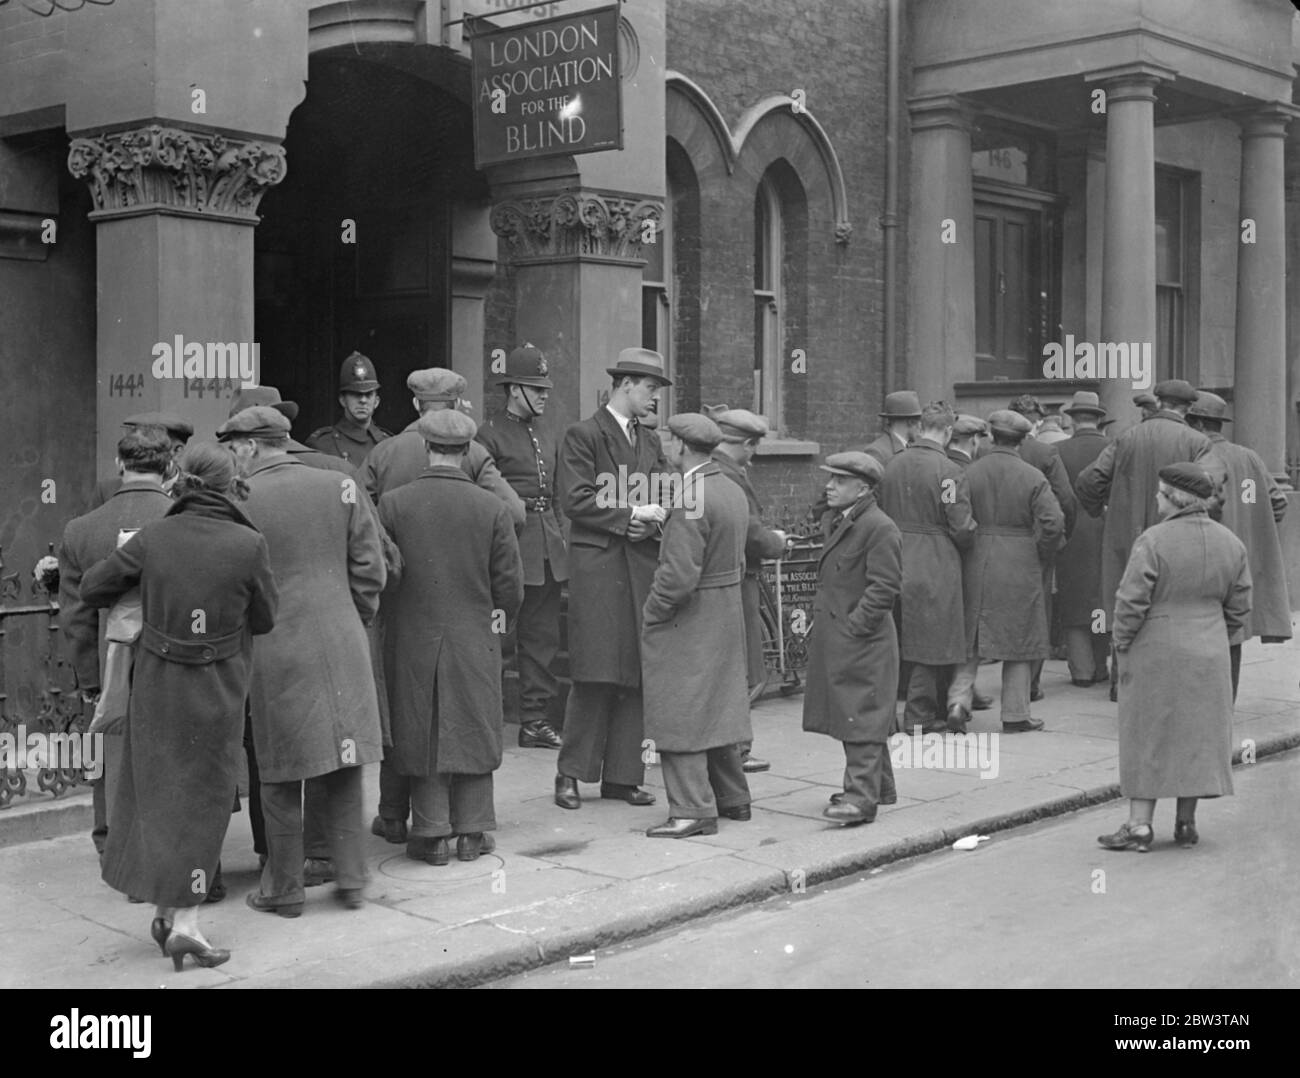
column 670, row 286
column 769, row 301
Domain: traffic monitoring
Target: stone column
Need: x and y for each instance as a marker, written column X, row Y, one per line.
column 941, row 348
column 1128, row 281
column 175, row 211
column 577, row 284
column 1260, row 375
column 473, row 267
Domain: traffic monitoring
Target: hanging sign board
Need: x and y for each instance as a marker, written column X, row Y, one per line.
column 547, row 87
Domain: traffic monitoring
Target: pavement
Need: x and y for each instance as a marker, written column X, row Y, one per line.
column 564, row 883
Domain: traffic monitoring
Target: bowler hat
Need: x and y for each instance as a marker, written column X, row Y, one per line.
column 435, row 384
column 169, row 421
column 526, row 366
column 1175, row 389
column 904, row 404
column 854, row 463
column 447, row 426
column 1006, row 421
column 1187, row 476
column 259, row 421
column 1085, row 402
column 1210, row 406
column 357, row 375
column 268, row 395
column 695, row 429
column 740, row 424
column 640, row 362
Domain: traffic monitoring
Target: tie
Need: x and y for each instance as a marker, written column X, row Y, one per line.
column 632, row 425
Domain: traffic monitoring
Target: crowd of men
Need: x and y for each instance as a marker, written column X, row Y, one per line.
column 403, row 559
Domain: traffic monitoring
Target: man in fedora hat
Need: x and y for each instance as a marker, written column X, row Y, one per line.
column 850, row 686
column 1078, row 566
column 608, row 468
column 1123, row 481
column 1251, row 507
column 524, row 449
column 1019, row 529
column 354, row 435
column 901, row 418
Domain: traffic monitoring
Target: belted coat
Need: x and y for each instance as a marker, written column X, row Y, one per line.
column 602, row 475
column 694, row 685
column 851, row 683
column 313, row 693
column 928, row 497
column 1185, row 592
column 1019, row 527
column 461, row 587
column 1078, row 565
column 206, row 589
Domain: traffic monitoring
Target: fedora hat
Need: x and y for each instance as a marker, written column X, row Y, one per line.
column 640, row 361
column 1209, row 406
column 1084, row 401
column 904, row 404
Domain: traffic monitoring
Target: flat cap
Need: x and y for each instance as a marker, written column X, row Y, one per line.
column 447, row 426
column 169, row 421
column 268, row 395
column 1210, row 406
column 695, row 428
column 436, row 384
column 259, row 421
column 1189, row 477
column 970, row 424
column 1009, row 422
column 739, row 424
column 1145, row 400
column 1175, row 389
column 855, row 463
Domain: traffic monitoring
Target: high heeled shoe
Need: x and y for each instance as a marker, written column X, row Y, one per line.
column 1185, row 833
column 160, row 930
column 205, row 955
column 1129, row 837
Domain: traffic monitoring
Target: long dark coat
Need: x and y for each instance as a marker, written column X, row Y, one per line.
column 1242, row 475
column 1185, row 591
column 1123, row 481
column 927, row 496
column 1078, row 565
column 313, row 694
column 851, row 684
column 760, row 542
column 86, row 540
column 1019, row 530
column 170, row 803
column 693, row 671
column 462, row 584
column 609, row 576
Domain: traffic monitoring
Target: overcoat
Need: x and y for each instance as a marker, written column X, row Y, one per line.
column 693, row 674
column 1045, row 456
column 1078, row 565
column 1123, row 481
column 927, row 496
column 760, row 542
column 525, row 454
column 170, row 801
column 602, row 475
column 313, row 694
column 405, row 457
column 1252, row 506
column 884, row 447
column 348, row 439
column 86, row 540
column 1019, row 530
column 461, row 586
column 1185, row 591
column 851, row 684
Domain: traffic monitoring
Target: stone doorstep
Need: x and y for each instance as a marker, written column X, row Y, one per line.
column 556, row 944
column 38, row 815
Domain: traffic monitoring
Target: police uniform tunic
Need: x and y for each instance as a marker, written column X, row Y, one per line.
column 347, row 439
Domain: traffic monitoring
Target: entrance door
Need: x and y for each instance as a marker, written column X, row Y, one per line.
column 1008, row 295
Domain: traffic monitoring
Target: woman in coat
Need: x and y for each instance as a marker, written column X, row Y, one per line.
column 1185, row 591
column 206, row 587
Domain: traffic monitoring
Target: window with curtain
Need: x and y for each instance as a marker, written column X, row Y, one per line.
column 1171, row 276
column 769, row 302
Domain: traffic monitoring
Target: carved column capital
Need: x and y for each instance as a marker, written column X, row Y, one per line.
column 156, row 169
column 604, row 226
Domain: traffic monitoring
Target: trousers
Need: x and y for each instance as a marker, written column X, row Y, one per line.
column 1015, row 687
column 700, row 783
column 537, row 642
column 603, row 729
column 868, row 773
column 1086, row 652
column 340, row 793
column 443, row 805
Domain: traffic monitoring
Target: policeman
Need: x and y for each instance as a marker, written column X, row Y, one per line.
column 353, row 436
column 525, row 450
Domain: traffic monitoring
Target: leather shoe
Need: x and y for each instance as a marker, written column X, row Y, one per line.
column 633, row 795
column 677, row 828
column 751, row 764
column 434, row 851
column 468, row 847
column 1114, row 695
column 316, row 871
column 257, row 901
column 980, row 703
column 849, row 815
column 393, row 831
column 537, row 734
column 566, row 792
column 740, row 812
column 889, row 797
column 958, row 717
column 349, row 898
column 1129, row 837
column 1022, row 727
column 1035, row 695
column 932, row 728
column 1185, row 833
column 1082, row 684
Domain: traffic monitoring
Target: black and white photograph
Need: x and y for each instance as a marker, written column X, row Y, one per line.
column 670, row 494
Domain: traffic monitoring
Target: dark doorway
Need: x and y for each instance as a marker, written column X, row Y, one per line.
column 353, row 252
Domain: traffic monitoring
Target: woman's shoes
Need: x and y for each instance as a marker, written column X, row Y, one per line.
column 160, row 930
column 205, row 955
column 1185, row 833
column 1129, row 837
